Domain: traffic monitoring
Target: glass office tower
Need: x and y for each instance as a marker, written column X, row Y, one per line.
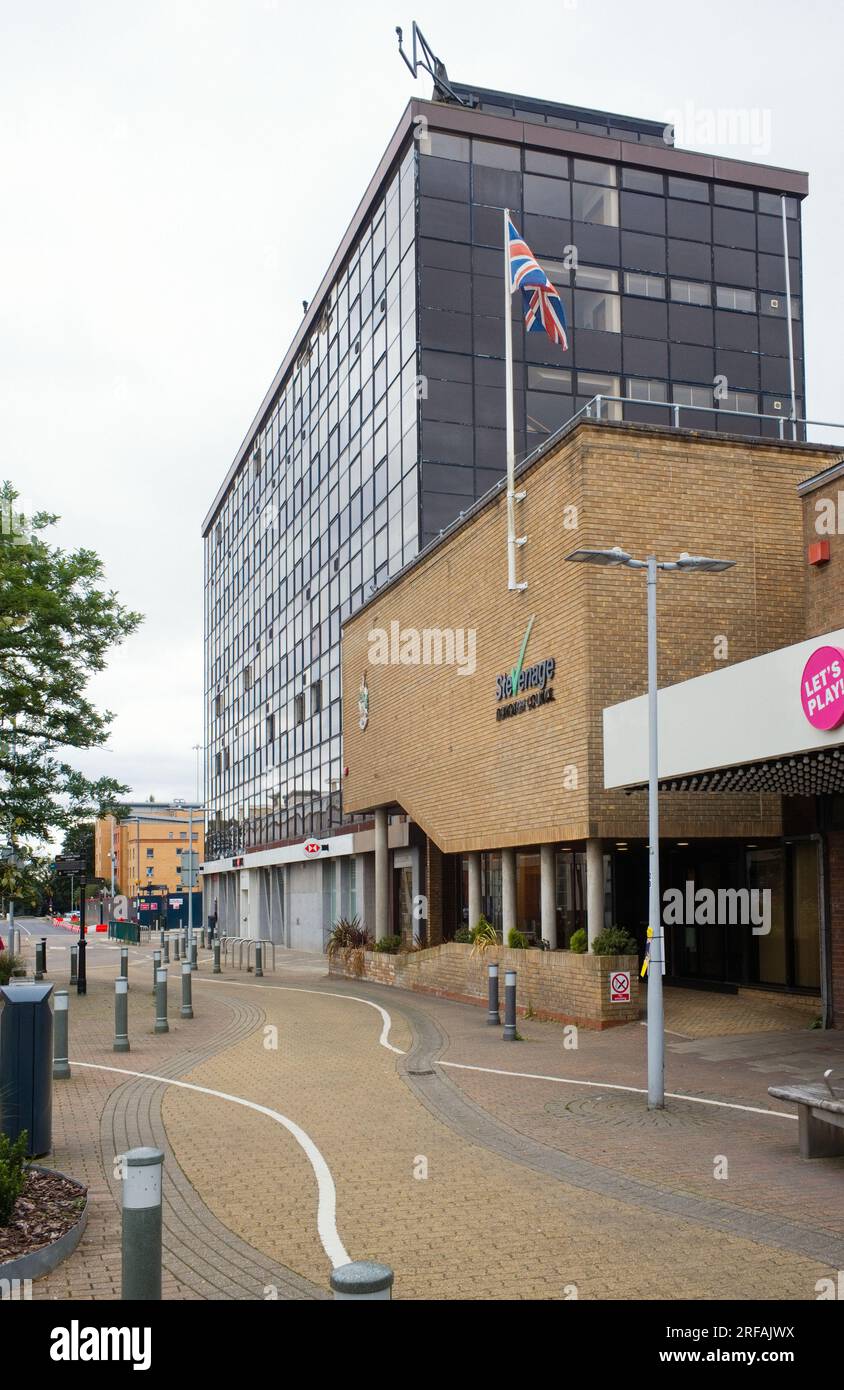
column 386, row 419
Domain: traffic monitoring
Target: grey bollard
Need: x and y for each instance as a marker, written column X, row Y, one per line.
column 176, row 954
column 362, row 1279
column 61, row 1066
column 39, row 963
column 156, row 966
column 259, row 960
column 202, row 939
column 509, row 1006
column 216, row 970
column 124, row 962
column 74, row 964
column 16, row 941
column 165, row 950
column 121, row 1015
column 141, row 1272
column 186, row 1011
column 44, row 954
column 161, row 1024
column 193, row 961
column 493, row 1016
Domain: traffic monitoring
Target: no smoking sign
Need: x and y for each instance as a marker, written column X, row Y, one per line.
column 619, row 987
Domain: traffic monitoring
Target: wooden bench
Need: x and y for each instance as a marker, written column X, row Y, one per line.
column 820, row 1116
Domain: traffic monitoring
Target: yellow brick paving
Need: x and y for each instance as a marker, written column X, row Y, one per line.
column 478, row 1226
column 701, row 1014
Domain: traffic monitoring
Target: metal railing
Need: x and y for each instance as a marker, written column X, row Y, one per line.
column 247, row 943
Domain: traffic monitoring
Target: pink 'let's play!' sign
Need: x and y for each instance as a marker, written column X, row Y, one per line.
column 822, row 688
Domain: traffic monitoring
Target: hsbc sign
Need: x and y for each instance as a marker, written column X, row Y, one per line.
column 313, row 847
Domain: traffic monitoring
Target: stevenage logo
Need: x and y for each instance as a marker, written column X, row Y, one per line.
column 76, row 1343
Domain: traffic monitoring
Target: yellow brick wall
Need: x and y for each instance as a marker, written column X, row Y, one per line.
column 433, row 745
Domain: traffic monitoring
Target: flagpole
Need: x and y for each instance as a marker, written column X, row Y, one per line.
column 511, row 418
column 790, row 325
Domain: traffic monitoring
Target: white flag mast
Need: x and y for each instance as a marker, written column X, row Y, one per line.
column 512, row 496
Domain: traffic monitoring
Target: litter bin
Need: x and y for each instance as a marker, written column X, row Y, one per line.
column 26, row 1065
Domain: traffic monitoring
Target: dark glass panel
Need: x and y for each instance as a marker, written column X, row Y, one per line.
column 642, row 214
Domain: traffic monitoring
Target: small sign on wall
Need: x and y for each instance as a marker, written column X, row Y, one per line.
column 619, row 987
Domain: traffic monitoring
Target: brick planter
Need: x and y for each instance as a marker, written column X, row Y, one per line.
column 558, row 985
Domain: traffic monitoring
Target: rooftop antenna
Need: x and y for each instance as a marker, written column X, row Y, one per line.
column 424, row 57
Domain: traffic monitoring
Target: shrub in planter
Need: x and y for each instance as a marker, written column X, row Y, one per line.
column 388, row 945
column 516, row 940
column 463, row 935
column 350, row 940
column 483, row 936
column 614, row 941
column 578, row 942
column 12, row 1173
column 10, row 965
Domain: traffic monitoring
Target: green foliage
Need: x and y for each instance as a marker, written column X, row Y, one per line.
column 58, row 622
column 10, row 965
column 578, row 942
column 614, row 941
column 483, row 936
column 516, row 940
column 350, row 940
column 12, row 1174
column 463, row 935
column 388, row 945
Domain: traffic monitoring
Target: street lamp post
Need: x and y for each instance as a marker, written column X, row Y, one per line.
column 656, row 1018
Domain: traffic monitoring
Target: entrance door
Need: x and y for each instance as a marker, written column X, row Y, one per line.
column 403, row 904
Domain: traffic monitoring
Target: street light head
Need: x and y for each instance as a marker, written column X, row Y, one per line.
column 705, row 564
column 585, row 556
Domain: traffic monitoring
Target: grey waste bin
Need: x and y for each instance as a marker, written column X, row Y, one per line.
column 26, row 1065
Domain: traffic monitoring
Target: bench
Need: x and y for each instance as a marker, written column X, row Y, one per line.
column 820, row 1116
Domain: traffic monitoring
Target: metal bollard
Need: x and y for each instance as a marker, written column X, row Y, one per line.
column 176, row 955
column 61, row 1066
column 121, row 1015
column 362, row 1279
column 493, row 1015
column 202, row 940
column 165, row 950
column 193, row 961
column 141, row 1273
column 216, row 970
column 39, row 967
column 186, row 1011
column 44, row 954
column 124, row 962
column 74, row 964
column 259, row 960
column 509, row 1006
column 156, row 966
column 161, row 1024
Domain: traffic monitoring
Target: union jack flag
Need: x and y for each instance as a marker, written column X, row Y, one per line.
column 544, row 310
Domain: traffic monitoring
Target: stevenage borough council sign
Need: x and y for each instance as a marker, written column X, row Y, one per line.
column 525, row 687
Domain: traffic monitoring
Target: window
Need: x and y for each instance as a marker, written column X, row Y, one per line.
column 557, row 273
column 689, row 292
column 270, row 728
column 548, row 379
column 316, row 697
column 693, row 395
column 597, row 311
column 649, row 286
column 728, row 298
column 150, row 853
column 745, row 401
column 183, row 834
column 590, row 172
column 150, row 872
column 299, row 709
column 589, row 277
column 218, row 704
column 688, row 188
column 645, row 390
column 775, row 306
column 591, row 384
column 178, row 849
column 642, row 180
column 247, row 678
column 169, row 832
column 590, row 204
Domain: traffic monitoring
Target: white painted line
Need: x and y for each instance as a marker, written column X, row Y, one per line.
column 613, row 1086
column 327, row 993
column 326, row 1191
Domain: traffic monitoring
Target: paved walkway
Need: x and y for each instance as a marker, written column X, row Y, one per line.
column 470, row 1183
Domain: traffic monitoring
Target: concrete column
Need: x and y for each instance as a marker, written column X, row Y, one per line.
column 508, row 891
column 382, row 876
column 474, row 887
column 594, row 889
column 548, row 895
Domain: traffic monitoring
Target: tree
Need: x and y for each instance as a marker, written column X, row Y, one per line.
column 58, row 623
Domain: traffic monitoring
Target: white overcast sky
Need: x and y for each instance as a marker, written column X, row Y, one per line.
column 174, row 180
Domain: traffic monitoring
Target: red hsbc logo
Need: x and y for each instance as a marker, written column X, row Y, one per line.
column 312, row 847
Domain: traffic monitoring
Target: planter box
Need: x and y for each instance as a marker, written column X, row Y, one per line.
column 36, row 1263
column 558, row 985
